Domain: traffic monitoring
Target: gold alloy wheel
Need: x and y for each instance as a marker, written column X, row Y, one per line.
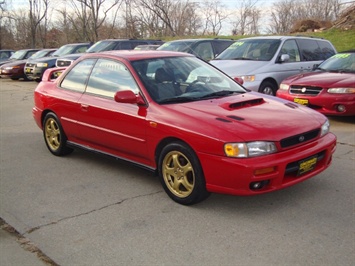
column 178, row 174
column 52, row 134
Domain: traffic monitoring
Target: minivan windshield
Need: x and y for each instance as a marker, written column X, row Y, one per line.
column 255, row 49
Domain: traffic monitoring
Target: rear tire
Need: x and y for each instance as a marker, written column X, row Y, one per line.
column 54, row 136
column 181, row 174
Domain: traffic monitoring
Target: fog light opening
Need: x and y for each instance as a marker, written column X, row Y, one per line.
column 258, row 184
column 341, row 108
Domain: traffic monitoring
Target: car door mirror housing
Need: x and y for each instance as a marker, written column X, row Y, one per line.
column 284, row 58
column 128, row 96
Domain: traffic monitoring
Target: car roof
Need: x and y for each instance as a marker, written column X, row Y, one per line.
column 281, row 37
column 201, row 39
column 133, row 55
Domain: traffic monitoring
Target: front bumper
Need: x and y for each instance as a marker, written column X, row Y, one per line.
column 33, row 72
column 235, row 176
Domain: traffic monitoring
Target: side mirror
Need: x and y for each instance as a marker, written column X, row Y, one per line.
column 284, row 58
column 127, row 96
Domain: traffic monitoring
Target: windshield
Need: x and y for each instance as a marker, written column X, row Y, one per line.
column 184, row 79
column 41, row 53
column 18, row 55
column 64, row 50
column 183, row 46
column 255, row 49
column 342, row 62
column 102, row 46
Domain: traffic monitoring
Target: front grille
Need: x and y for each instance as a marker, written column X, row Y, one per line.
column 305, row 90
column 300, row 138
column 30, row 64
column 63, row 63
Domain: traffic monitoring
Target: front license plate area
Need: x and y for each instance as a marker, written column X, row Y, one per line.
column 307, row 165
column 28, row 70
column 301, row 101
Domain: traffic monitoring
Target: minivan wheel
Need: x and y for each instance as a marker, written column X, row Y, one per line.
column 268, row 87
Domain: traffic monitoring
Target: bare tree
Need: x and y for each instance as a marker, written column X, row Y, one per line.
column 38, row 12
column 283, row 16
column 92, row 14
column 214, row 15
column 172, row 17
column 247, row 17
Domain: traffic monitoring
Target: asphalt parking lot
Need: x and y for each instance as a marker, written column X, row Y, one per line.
column 86, row 209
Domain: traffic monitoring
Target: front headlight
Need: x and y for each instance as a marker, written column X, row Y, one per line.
column 250, row 149
column 341, row 90
column 284, row 86
column 325, row 128
column 248, row 78
column 42, row 64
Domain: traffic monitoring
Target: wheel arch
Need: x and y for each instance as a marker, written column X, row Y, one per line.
column 165, row 142
column 271, row 80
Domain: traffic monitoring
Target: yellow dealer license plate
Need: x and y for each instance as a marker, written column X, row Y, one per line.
column 28, row 70
column 301, row 101
column 307, row 165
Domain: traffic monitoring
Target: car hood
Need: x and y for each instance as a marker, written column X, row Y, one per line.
column 43, row 59
column 70, row 56
column 323, row 79
column 246, row 117
column 238, row 67
column 14, row 63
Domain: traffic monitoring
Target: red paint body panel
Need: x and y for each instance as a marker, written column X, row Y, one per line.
column 133, row 132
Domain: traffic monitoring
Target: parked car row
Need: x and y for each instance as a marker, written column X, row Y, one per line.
column 259, row 63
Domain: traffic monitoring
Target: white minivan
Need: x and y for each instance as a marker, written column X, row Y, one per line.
column 263, row 62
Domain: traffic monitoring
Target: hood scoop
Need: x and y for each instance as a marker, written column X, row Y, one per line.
column 243, row 104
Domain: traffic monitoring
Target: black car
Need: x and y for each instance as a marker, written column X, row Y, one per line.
column 19, row 55
column 107, row 45
column 34, row 69
column 206, row 49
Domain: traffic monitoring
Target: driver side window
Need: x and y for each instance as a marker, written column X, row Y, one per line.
column 290, row 47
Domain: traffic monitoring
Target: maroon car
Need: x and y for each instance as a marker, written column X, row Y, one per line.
column 15, row 69
column 330, row 89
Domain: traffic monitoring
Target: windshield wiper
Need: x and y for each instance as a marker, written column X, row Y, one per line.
column 241, row 58
column 219, row 94
column 178, row 100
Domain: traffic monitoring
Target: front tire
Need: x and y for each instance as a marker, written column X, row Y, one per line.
column 268, row 87
column 54, row 135
column 181, row 174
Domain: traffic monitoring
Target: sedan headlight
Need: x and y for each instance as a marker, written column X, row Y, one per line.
column 248, row 78
column 325, row 128
column 42, row 64
column 341, row 90
column 250, row 149
column 284, row 86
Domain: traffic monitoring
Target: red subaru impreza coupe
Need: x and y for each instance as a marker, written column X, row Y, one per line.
column 329, row 89
column 175, row 114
